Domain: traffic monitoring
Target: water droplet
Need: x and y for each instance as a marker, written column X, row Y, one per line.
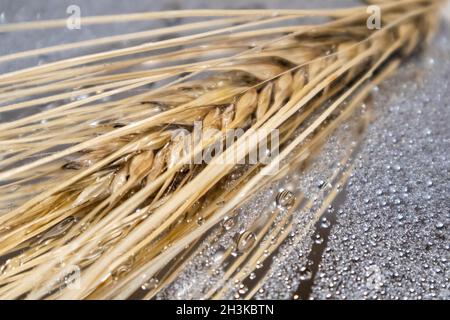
column 111, row 238
column 305, row 274
column 246, row 241
column 318, row 239
column 218, row 255
column 439, row 225
column 321, row 184
column 325, row 223
column 200, row 221
column 150, row 284
column 285, row 199
column 252, row 276
column 243, row 290
column 94, row 254
column 58, row 229
column 228, row 223
column 123, row 269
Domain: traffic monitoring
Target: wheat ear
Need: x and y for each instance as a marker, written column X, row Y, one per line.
column 113, row 189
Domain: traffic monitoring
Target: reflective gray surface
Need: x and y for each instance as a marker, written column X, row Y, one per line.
column 390, row 237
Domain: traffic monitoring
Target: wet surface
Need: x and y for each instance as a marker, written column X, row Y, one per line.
column 389, row 236
column 392, row 239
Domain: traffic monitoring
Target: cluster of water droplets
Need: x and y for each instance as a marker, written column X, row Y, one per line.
column 391, row 240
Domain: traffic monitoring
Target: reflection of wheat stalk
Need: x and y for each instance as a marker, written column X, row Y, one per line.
column 110, row 190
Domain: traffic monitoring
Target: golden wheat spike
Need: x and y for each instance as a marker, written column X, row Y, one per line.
column 121, row 196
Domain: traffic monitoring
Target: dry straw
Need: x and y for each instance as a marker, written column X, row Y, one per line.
column 97, row 182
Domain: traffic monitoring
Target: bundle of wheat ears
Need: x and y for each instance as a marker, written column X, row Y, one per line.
column 95, row 182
